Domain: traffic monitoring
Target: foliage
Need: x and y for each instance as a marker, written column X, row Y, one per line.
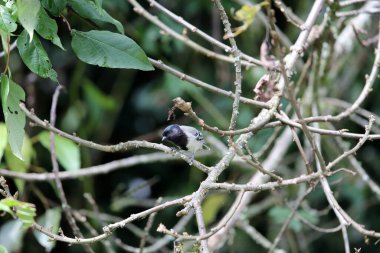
column 103, row 53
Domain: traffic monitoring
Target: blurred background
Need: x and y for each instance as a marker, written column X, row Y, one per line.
column 109, row 106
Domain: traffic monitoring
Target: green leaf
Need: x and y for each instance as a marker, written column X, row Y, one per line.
column 14, row 116
column 245, row 14
column 55, row 7
column 5, row 208
column 97, row 99
column 11, row 234
column 4, row 90
column 15, row 164
column 211, row 207
column 3, row 249
column 98, row 2
column 27, row 11
column 24, row 211
column 47, row 28
column 280, row 214
column 3, row 139
column 50, row 219
column 94, row 11
column 311, row 215
column 7, row 21
column 10, row 202
column 107, row 49
column 35, row 57
column 67, row 151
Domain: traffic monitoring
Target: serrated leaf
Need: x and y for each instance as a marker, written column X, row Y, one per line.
column 7, row 21
column 94, row 11
column 27, row 12
column 35, row 57
column 3, row 139
column 47, row 28
column 55, row 7
column 68, row 153
column 50, row 219
column 211, row 207
column 107, row 49
column 14, row 116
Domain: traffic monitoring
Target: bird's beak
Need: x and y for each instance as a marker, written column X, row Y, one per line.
column 163, row 139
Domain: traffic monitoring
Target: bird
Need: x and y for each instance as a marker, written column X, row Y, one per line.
column 184, row 137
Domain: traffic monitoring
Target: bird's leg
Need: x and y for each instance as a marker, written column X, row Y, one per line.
column 175, row 149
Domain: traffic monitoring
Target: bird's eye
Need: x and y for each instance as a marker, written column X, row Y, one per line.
column 199, row 136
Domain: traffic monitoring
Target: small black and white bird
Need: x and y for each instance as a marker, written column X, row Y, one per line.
column 185, row 137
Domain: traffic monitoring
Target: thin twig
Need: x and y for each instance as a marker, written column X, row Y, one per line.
column 108, row 230
column 256, row 235
column 12, row 46
column 124, row 146
column 202, row 34
column 186, row 40
column 289, row 14
column 288, row 219
column 357, row 146
column 148, row 226
column 341, row 14
column 159, row 64
column 237, row 62
column 65, row 205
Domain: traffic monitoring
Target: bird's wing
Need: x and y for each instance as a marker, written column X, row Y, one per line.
column 191, row 130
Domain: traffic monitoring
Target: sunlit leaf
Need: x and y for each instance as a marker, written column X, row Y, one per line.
column 7, row 21
column 55, row 7
column 68, row 153
column 5, row 208
column 27, row 12
column 47, row 28
column 24, row 211
column 245, row 14
column 107, row 49
column 16, row 164
column 35, row 57
column 211, row 207
column 50, row 219
column 14, row 116
column 93, row 10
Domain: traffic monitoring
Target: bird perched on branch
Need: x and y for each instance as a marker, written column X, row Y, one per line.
column 184, row 137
